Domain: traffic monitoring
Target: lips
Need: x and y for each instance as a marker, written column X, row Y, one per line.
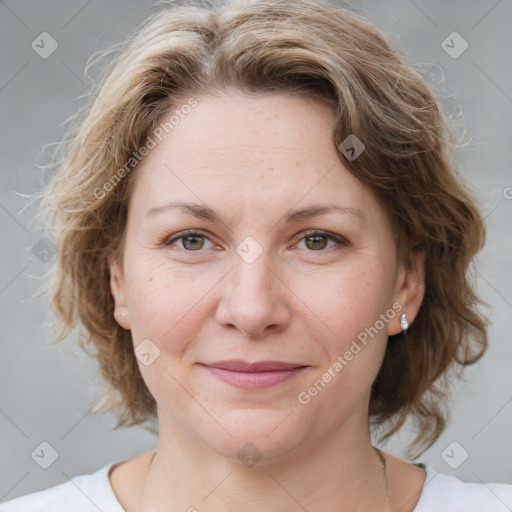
column 260, row 366
column 256, row 375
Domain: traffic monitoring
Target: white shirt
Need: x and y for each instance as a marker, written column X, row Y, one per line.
column 90, row 493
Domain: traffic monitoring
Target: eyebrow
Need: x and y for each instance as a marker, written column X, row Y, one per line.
column 206, row 213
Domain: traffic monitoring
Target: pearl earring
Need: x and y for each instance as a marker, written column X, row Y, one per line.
column 404, row 324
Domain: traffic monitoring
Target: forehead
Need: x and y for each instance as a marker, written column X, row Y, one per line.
column 236, row 127
column 261, row 150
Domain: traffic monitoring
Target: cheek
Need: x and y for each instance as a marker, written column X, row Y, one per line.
column 351, row 307
column 349, row 299
column 166, row 303
column 168, row 307
column 349, row 311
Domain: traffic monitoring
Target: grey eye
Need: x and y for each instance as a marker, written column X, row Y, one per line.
column 193, row 242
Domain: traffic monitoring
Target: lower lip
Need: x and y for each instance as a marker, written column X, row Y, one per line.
column 255, row 380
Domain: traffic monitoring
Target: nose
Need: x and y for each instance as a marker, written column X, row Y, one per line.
column 254, row 299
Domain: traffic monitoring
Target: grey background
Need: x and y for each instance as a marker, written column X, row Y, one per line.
column 47, row 391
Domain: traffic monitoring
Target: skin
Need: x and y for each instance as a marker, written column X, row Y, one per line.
column 251, row 159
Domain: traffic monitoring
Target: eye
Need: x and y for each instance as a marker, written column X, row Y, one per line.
column 314, row 241
column 317, row 241
column 191, row 241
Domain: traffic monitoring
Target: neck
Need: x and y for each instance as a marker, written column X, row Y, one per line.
column 342, row 469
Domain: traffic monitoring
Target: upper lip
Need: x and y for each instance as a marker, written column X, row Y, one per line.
column 258, row 366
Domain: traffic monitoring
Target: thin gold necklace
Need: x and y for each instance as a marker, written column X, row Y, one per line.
column 383, row 467
column 379, row 453
column 145, row 482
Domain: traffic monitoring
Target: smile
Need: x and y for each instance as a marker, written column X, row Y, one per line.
column 254, row 376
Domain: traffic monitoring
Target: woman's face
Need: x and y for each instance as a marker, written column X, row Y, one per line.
column 291, row 261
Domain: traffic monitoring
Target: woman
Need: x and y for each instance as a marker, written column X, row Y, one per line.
column 260, row 228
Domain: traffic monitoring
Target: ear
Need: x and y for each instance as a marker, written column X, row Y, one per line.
column 118, row 290
column 409, row 290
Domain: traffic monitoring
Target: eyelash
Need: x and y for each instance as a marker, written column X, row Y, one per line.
column 312, row 232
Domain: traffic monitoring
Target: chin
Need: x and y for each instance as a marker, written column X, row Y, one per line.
column 259, row 436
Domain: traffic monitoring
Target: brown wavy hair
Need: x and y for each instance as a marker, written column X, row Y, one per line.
column 307, row 47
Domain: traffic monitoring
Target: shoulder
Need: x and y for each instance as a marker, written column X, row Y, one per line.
column 84, row 493
column 445, row 493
